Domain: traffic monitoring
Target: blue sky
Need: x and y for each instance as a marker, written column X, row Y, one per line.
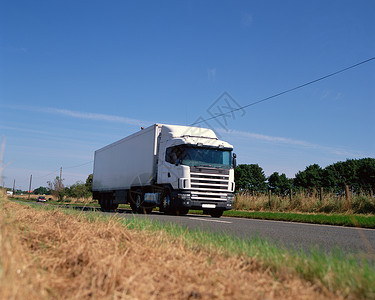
column 78, row 75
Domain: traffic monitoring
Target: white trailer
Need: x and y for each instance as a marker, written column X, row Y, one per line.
column 175, row 168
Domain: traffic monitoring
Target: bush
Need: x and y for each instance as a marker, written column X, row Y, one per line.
column 78, row 190
column 363, row 205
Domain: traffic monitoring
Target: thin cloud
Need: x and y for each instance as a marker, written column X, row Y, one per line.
column 291, row 142
column 24, row 130
column 273, row 139
column 95, row 116
column 82, row 115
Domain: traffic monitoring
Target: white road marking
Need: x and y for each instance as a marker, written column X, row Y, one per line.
column 209, row 220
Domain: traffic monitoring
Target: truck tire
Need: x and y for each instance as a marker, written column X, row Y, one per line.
column 102, row 205
column 147, row 210
column 182, row 211
column 107, row 205
column 137, row 203
column 136, row 199
column 165, row 201
column 216, row 213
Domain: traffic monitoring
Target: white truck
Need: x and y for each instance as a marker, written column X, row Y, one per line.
column 175, row 168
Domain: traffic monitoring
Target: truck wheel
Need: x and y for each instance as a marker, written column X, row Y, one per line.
column 216, row 213
column 107, row 205
column 147, row 210
column 182, row 211
column 136, row 201
column 165, row 202
column 102, row 205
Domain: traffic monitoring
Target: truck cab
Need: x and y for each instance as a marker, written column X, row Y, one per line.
column 198, row 167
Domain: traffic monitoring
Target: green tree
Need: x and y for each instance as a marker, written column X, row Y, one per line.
column 279, row 184
column 250, row 177
column 366, row 174
column 41, row 191
column 358, row 174
column 78, row 190
column 89, row 183
column 329, row 180
column 57, row 188
column 310, row 178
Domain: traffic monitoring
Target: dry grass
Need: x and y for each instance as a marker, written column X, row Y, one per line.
column 48, row 254
column 3, row 192
column 32, row 197
column 305, row 203
column 71, row 200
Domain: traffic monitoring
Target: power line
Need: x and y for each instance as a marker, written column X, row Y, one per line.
column 71, row 167
column 84, row 164
column 288, row 91
column 54, row 172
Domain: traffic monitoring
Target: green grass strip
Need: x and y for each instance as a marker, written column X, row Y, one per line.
column 331, row 219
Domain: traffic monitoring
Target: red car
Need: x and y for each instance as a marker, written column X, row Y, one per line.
column 41, row 199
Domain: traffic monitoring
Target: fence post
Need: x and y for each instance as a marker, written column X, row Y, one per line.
column 347, row 196
column 269, row 198
column 321, row 194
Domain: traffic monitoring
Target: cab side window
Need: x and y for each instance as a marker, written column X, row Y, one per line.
column 170, row 155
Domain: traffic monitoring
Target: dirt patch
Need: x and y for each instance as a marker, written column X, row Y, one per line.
column 48, row 254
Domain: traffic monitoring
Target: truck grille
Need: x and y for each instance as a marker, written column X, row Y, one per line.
column 209, row 184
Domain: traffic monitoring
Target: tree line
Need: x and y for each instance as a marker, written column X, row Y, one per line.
column 356, row 174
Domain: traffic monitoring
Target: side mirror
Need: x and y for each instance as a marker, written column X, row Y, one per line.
column 234, row 160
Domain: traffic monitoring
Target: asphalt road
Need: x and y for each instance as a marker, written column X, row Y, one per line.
column 292, row 235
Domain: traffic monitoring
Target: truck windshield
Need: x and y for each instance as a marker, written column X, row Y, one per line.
column 199, row 156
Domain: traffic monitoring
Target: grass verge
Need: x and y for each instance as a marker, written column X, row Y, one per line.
column 330, row 276
column 328, row 219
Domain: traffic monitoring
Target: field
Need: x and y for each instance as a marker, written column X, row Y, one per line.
column 55, row 254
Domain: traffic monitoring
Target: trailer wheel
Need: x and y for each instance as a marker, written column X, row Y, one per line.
column 102, row 205
column 106, row 203
column 216, row 213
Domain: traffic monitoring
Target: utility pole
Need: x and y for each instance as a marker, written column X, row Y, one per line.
column 31, row 178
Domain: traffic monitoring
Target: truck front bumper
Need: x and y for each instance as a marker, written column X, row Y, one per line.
column 184, row 200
